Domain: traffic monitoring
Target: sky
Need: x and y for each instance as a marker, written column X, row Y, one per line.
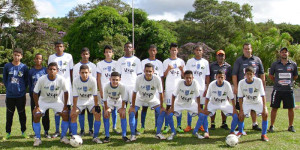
column 280, row 11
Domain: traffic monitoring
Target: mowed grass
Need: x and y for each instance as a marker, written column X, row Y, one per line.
column 281, row 139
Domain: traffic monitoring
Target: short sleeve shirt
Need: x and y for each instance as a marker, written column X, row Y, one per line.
column 174, row 75
column 200, row 69
column 157, row 64
column 147, row 88
column 219, row 95
column 114, row 94
column 251, row 92
column 214, row 67
column 185, row 94
column 129, row 68
column 85, row 90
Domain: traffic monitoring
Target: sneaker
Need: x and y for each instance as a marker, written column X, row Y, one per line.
column 55, row 135
column 166, row 129
column 171, row 137
column 271, row 129
column 179, row 129
column 37, row 142
column 106, row 140
column 225, row 126
column 6, row 137
column 125, row 139
column 91, row 133
column 239, row 134
column 116, row 131
column 291, row 129
column 142, row 130
column 137, row 132
column 264, row 138
column 97, row 140
column 187, row 129
column 133, row 138
column 24, row 135
column 81, row 133
column 212, row 127
column 65, row 140
column 206, row 135
column 256, row 127
column 160, row 136
column 201, row 128
column 47, row 136
column 198, row 135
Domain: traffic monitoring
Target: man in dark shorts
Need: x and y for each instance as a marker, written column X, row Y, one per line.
column 283, row 72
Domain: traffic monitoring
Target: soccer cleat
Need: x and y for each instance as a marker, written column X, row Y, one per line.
column 37, row 142
column 187, row 129
column 212, row 127
column 6, row 137
column 171, row 137
column 232, row 133
column 206, row 135
column 137, row 132
column 201, row 128
column 97, row 140
column 81, row 133
column 225, row 126
column 125, row 139
column 166, row 129
column 91, row 133
column 116, row 131
column 142, row 130
column 198, row 135
column 133, row 138
column 106, row 140
column 47, row 136
column 179, row 129
column 160, row 136
column 239, row 134
column 55, row 135
column 256, row 127
column 291, row 129
column 24, row 135
column 264, row 138
column 65, row 140
column 271, row 129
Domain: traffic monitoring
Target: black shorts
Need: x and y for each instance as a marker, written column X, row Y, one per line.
column 287, row 97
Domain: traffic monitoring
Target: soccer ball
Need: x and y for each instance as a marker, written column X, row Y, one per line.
column 232, row 140
column 76, row 141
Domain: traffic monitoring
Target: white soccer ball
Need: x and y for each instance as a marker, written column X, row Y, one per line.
column 232, row 140
column 76, row 141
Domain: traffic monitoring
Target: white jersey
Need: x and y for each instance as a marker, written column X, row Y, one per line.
column 85, row 90
column 200, row 69
column 92, row 68
column 218, row 95
column 157, row 66
column 50, row 90
column 105, row 69
column 251, row 92
column 174, row 75
column 185, row 95
column 65, row 64
column 147, row 89
column 129, row 68
column 114, row 94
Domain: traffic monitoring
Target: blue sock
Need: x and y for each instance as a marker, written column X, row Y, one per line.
column 241, row 126
column 166, row 121
column 91, row 121
column 64, row 128
column 97, row 125
column 199, row 123
column 156, row 116
column 179, row 120
column 106, row 126
column 37, row 129
column 143, row 118
column 160, row 119
column 205, row 124
column 57, row 122
column 124, row 126
column 171, row 122
column 189, row 119
column 264, row 127
column 114, row 117
column 132, row 123
column 234, row 122
column 74, row 128
column 81, row 119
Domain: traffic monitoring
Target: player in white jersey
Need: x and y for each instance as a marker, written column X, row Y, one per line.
column 115, row 97
column 47, row 96
column 200, row 68
column 85, row 97
column 251, row 96
column 173, row 71
column 65, row 69
column 158, row 70
column 85, row 55
column 104, row 69
column 144, row 93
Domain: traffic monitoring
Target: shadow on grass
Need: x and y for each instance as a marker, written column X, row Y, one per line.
column 28, row 143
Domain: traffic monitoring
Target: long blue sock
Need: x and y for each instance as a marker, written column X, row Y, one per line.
column 179, row 118
column 97, row 125
column 57, row 122
column 91, row 121
column 64, row 128
column 114, row 117
column 156, row 116
column 171, row 122
column 81, row 119
column 199, row 123
column 37, row 129
column 264, row 127
column 143, row 118
column 74, row 128
column 160, row 119
column 166, row 121
column 241, row 126
column 189, row 119
column 132, row 123
column 106, row 126
column 124, row 126
column 234, row 122
column 205, row 124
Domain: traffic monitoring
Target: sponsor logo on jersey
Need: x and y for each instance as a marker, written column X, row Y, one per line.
column 253, row 63
column 289, row 68
column 145, row 94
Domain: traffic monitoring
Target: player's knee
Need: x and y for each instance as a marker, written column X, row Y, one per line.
column 65, row 116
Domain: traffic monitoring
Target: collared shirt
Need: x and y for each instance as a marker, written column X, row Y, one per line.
column 214, row 67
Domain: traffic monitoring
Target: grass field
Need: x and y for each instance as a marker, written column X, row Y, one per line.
column 281, row 139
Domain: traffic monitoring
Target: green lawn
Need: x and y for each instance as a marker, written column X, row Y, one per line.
column 281, row 139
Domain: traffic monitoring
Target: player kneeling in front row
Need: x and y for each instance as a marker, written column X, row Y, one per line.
column 50, row 88
column 183, row 98
column 85, row 97
column 115, row 97
column 251, row 96
column 144, row 93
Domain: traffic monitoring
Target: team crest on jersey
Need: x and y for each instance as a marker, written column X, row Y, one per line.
column 52, row 88
column 109, row 68
column 85, row 88
column 20, row 74
column 60, row 63
column 174, row 65
column 187, row 92
column 255, row 90
column 219, row 93
column 147, row 87
column 198, row 66
column 250, row 90
column 129, row 64
column 113, row 93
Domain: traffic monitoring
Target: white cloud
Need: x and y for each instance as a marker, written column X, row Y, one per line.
column 167, row 16
column 45, row 8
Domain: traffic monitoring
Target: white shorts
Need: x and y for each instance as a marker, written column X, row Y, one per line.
column 202, row 98
column 129, row 90
column 152, row 103
column 168, row 97
column 69, row 88
column 56, row 106
column 100, row 100
column 191, row 108
column 226, row 108
column 258, row 108
column 115, row 104
column 81, row 105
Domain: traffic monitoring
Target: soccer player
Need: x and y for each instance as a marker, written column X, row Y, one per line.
column 65, row 68
column 34, row 74
column 129, row 67
column 50, row 87
column 104, row 70
column 214, row 67
column 238, row 73
column 144, row 93
column 15, row 79
column 85, row 97
column 85, row 55
column 173, row 71
column 115, row 97
column 200, row 68
column 283, row 72
column 158, row 70
column 251, row 96
column 186, row 97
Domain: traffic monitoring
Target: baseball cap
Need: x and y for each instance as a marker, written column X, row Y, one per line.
column 220, row 52
column 284, row 48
